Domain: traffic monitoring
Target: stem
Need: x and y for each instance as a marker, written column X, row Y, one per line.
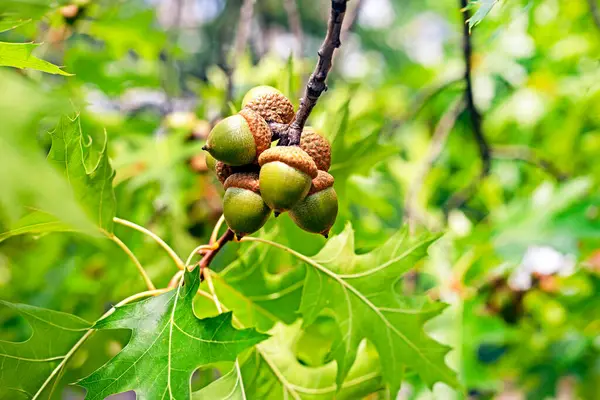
column 595, row 12
column 88, row 334
column 155, row 237
column 316, row 83
column 291, row 8
column 438, row 140
column 133, row 258
column 527, row 155
column 484, row 148
column 210, row 255
column 215, row 232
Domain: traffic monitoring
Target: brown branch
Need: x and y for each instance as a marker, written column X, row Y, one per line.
column 291, row 8
column 527, row 155
column 595, row 12
column 316, row 83
column 438, row 140
column 228, row 236
column 484, row 148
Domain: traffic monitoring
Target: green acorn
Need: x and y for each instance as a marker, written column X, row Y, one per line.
column 318, row 211
column 270, row 104
column 243, row 208
column 211, row 163
column 285, row 176
column 239, row 139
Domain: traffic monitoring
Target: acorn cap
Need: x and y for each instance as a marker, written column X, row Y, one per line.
column 223, row 171
column 293, row 156
column 270, row 104
column 317, row 147
column 259, row 129
column 321, row 182
column 243, row 180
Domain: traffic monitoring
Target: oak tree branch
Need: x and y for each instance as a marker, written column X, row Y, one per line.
column 316, row 83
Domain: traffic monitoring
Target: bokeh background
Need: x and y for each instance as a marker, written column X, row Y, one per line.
column 518, row 260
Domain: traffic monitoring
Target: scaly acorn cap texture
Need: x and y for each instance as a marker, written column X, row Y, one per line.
column 293, row 156
column 270, row 104
column 243, row 180
column 223, row 171
column 260, row 130
column 317, row 147
column 321, row 182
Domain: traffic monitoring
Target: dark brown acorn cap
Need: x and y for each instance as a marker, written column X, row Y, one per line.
column 259, row 129
column 293, row 156
column 317, row 147
column 321, row 182
column 243, row 180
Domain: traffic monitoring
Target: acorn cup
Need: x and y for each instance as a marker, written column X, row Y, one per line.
column 239, row 139
column 317, row 147
column 243, row 208
column 285, row 176
column 270, row 104
column 318, row 211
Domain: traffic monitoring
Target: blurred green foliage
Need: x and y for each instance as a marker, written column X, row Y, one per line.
column 517, row 264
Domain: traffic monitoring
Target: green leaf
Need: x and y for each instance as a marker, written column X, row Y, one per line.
column 26, row 365
column 93, row 188
column 483, row 9
column 274, row 372
column 262, row 286
column 29, row 8
column 359, row 290
column 228, row 387
column 167, row 344
column 18, row 55
column 9, row 24
column 32, row 183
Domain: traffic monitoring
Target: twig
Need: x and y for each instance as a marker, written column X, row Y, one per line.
column 527, row 155
column 133, row 258
column 595, row 12
column 291, row 8
column 239, row 45
column 243, row 32
column 461, row 197
column 155, row 237
column 351, row 18
column 316, row 83
column 228, row 236
column 438, row 140
column 484, row 148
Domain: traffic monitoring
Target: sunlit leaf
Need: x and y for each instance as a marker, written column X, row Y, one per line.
column 53, row 334
column 19, row 55
column 167, row 344
column 360, row 292
column 483, row 8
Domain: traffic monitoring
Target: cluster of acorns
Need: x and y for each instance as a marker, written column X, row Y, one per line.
column 259, row 178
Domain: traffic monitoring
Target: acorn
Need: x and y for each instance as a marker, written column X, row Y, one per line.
column 270, row 104
column 239, row 139
column 243, row 208
column 285, row 176
column 317, row 147
column 318, row 211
